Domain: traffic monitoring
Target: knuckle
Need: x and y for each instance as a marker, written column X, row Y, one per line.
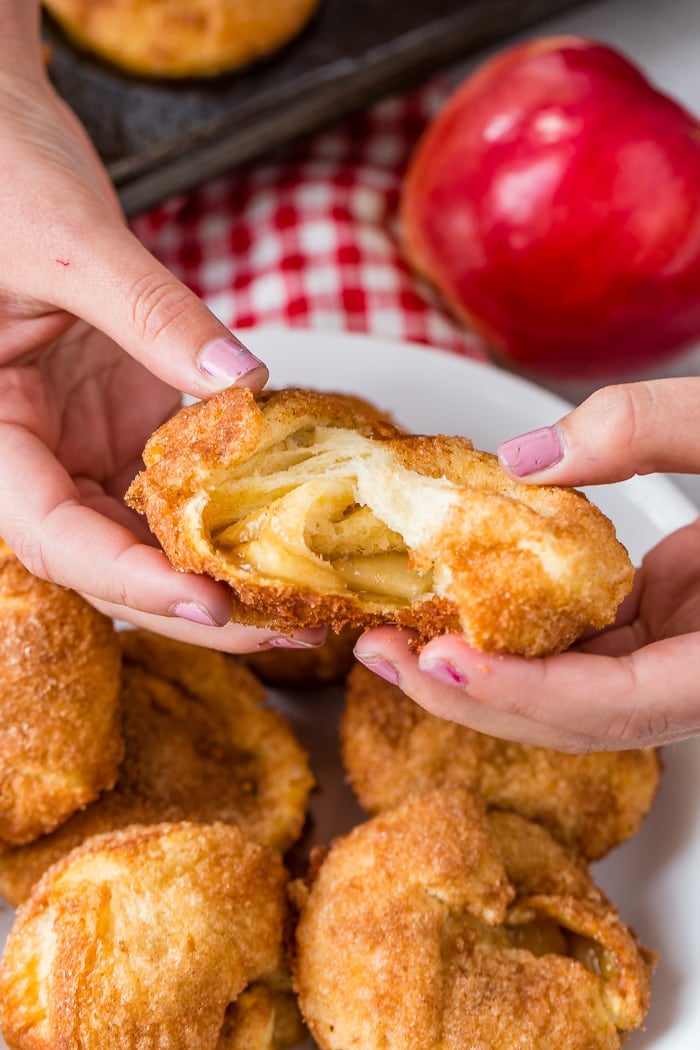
column 29, row 552
column 157, row 303
column 628, row 415
column 637, row 728
column 635, row 722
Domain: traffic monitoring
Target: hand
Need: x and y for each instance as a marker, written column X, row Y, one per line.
column 633, row 685
column 77, row 290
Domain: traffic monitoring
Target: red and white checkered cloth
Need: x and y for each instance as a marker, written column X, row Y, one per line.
column 308, row 238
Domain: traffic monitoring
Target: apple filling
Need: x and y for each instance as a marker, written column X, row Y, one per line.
column 540, row 936
column 544, row 937
column 329, row 509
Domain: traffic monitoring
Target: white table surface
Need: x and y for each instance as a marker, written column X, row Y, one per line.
column 663, row 37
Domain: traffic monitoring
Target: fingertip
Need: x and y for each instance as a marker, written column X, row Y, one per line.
column 444, row 671
column 452, row 661
column 386, row 652
column 196, row 612
column 308, row 638
column 381, row 666
column 531, row 453
column 226, row 361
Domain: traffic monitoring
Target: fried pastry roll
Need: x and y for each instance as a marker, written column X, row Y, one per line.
column 60, row 731
column 167, row 937
column 437, row 926
column 169, row 38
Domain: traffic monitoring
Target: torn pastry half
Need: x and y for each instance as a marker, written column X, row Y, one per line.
column 318, row 511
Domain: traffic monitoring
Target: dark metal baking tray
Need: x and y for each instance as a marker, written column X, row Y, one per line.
column 160, row 137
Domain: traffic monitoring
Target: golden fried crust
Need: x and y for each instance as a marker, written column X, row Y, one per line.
column 200, row 746
column 392, row 747
column 60, row 739
column 169, row 38
column 317, row 512
column 418, row 931
column 148, row 938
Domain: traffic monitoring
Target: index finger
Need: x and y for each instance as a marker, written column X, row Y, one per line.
column 612, row 701
column 619, row 431
column 59, row 538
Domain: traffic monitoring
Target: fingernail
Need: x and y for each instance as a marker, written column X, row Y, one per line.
column 228, row 360
column 284, row 641
column 531, row 452
column 444, row 672
column 194, row 613
column 380, row 666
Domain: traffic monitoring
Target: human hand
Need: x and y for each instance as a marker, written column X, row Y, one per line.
column 77, row 290
column 633, row 685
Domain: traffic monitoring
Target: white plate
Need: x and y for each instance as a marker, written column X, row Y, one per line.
column 651, row 879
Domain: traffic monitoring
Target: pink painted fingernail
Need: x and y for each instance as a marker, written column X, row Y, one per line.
column 531, row 452
column 228, row 360
column 195, row 613
column 380, row 666
column 284, row 641
column 444, row 672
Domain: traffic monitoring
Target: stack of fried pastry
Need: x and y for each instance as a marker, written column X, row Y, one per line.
column 447, row 909
column 462, row 913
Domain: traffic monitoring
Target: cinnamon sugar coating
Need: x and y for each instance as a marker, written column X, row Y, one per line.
column 60, row 731
column 436, row 926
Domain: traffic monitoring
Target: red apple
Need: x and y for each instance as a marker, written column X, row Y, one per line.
column 555, row 204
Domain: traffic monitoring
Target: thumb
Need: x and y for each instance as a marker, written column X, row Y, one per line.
column 114, row 283
column 65, row 245
column 619, row 431
column 86, row 261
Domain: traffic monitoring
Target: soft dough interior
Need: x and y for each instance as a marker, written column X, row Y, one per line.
column 331, row 510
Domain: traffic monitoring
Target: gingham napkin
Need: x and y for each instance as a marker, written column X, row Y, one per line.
column 308, row 237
